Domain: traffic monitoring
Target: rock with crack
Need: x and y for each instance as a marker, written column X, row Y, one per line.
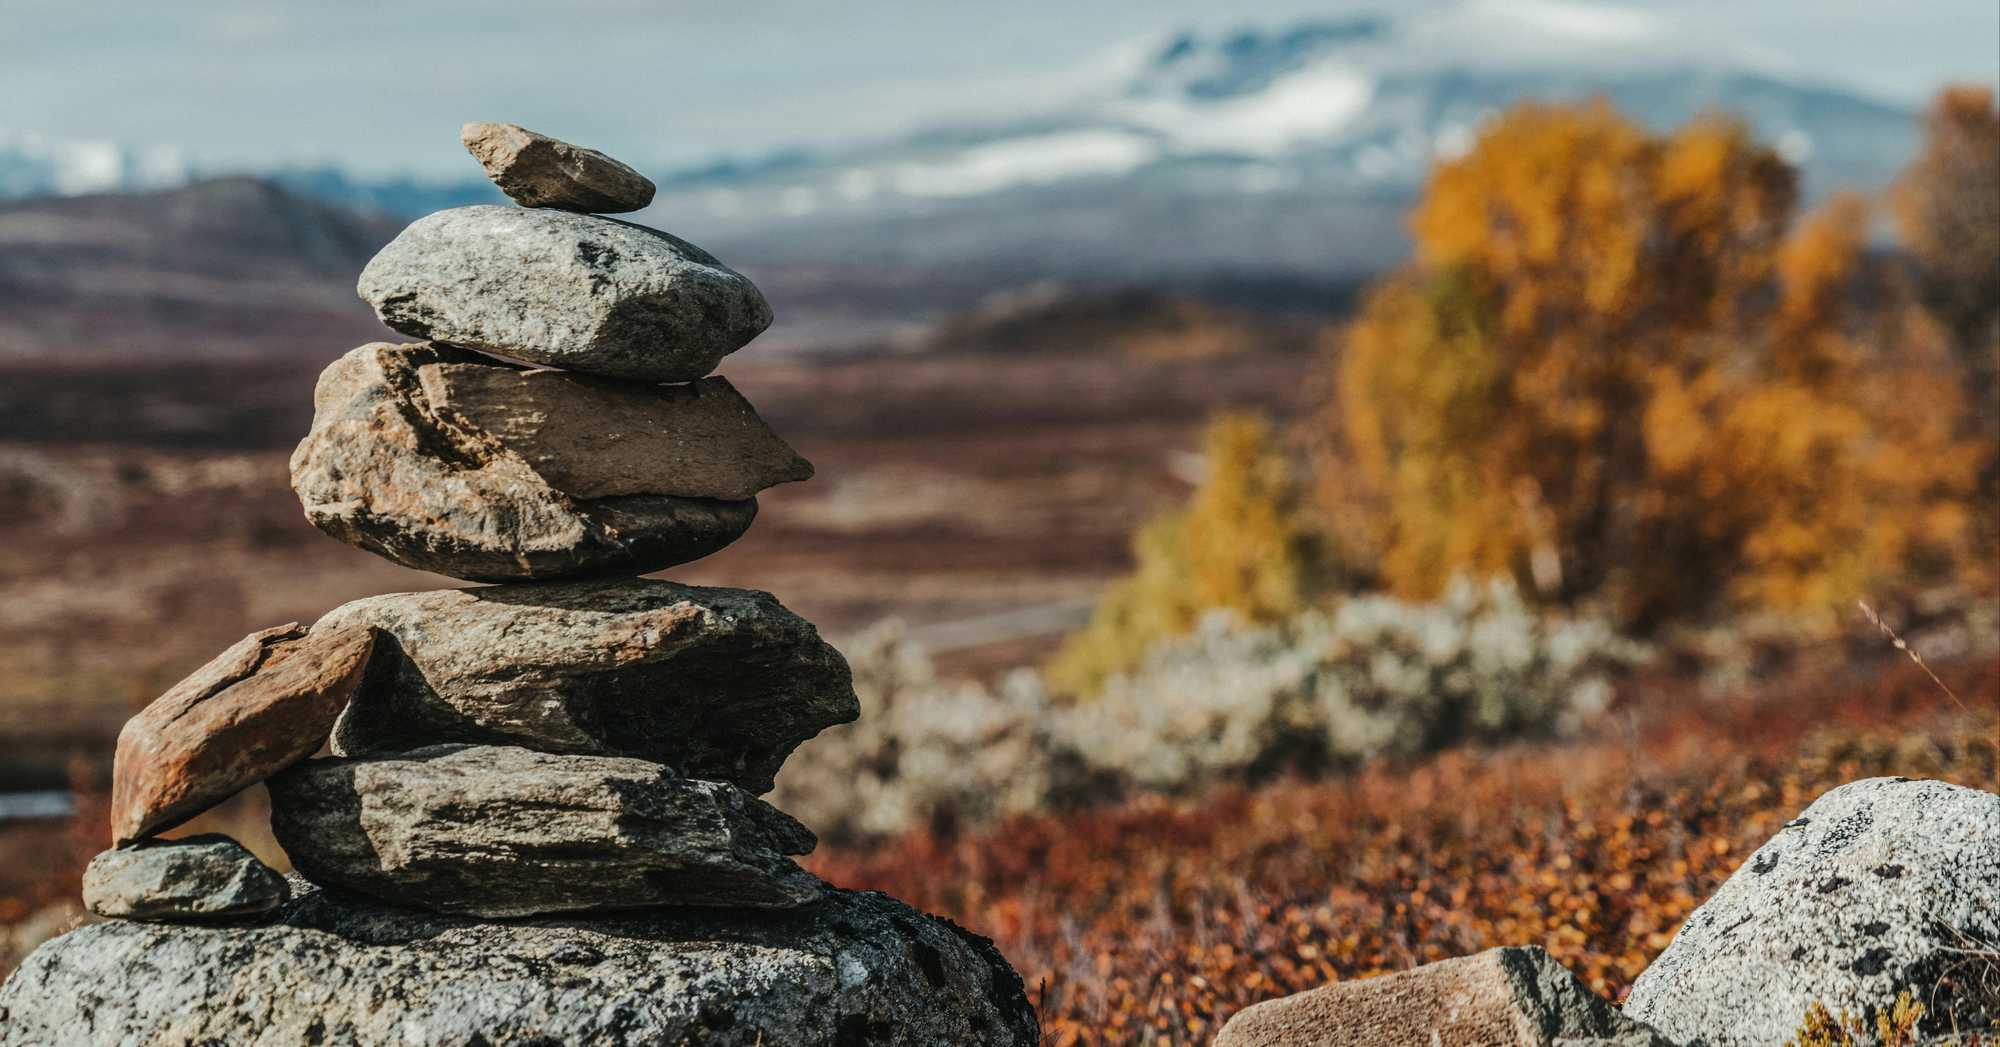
column 856, row 968
column 498, row 831
column 1509, row 997
column 538, row 171
column 386, row 469
column 567, row 290
column 200, row 878
column 1881, row 886
column 717, row 683
column 262, row 705
column 593, row 438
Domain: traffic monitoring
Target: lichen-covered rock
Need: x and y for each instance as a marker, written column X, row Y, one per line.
column 198, row 878
column 499, row 831
column 385, row 469
column 716, row 683
column 858, row 968
column 255, row 709
column 573, row 291
column 1880, row 886
column 538, row 171
column 1510, row 997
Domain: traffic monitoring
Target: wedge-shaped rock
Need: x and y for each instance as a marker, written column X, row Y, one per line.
column 539, row 171
column 1511, row 997
column 593, row 438
column 207, row 877
column 262, row 705
column 716, row 683
column 498, row 831
column 567, row 290
column 1880, row 887
column 858, row 968
column 385, row 470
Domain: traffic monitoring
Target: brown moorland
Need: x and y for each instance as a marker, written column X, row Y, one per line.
column 1153, row 921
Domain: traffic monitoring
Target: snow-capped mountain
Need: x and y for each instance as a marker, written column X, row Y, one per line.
column 34, row 164
column 1285, row 153
column 1355, row 108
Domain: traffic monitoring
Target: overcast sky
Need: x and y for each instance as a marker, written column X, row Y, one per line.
column 382, row 87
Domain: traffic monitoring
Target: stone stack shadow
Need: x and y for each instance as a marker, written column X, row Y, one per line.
column 540, row 821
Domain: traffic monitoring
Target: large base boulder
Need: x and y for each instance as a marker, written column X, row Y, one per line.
column 1882, row 886
column 858, row 968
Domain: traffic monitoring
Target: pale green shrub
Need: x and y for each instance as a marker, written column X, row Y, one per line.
column 1322, row 691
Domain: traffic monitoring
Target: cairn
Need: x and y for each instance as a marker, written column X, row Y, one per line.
column 540, row 822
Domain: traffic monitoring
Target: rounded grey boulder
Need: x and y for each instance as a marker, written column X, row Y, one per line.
column 572, row 291
column 858, row 968
column 1880, row 886
column 206, row 877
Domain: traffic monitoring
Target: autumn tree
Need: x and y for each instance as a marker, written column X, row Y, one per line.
column 1240, row 544
column 1617, row 373
column 1947, row 208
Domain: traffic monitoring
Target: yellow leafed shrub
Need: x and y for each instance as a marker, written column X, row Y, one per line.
column 1240, row 544
column 1618, row 373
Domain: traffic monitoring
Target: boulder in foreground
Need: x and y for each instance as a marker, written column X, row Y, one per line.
column 497, row 831
column 716, row 683
column 538, row 171
column 1880, row 886
column 384, row 469
column 572, row 291
column 198, row 878
column 262, row 705
column 858, row 968
column 1511, row 997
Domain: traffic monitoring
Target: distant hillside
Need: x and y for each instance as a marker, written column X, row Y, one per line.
column 223, row 269
column 1282, row 155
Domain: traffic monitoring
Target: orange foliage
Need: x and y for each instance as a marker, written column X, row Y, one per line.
column 1616, row 373
column 1948, row 211
column 1151, row 923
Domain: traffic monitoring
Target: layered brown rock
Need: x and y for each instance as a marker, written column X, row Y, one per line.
column 386, row 469
column 1511, row 997
column 259, row 707
column 538, row 171
column 592, row 438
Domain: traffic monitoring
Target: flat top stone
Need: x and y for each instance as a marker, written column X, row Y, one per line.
column 539, row 171
column 1872, row 890
column 591, row 438
column 574, row 291
column 265, row 703
column 336, row 969
column 206, row 877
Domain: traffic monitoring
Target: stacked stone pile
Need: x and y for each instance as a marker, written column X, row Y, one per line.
column 575, row 750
